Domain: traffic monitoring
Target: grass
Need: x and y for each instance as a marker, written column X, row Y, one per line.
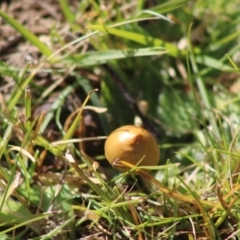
column 89, row 71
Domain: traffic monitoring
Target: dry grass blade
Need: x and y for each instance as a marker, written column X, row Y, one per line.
column 168, row 192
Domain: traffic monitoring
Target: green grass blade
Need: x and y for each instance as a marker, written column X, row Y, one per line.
column 202, row 90
column 101, row 57
column 169, row 6
column 18, row 91
column 66, row 11
column 33, row 39
column 56, row 104
column 95, row 100
column 232, row 62
column 76, row 121
column 211, row 62
column 8, row 132
column 58, row 229
column 139, row 38
column 28, row 109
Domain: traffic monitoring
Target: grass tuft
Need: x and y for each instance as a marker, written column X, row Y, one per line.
column 72, row 72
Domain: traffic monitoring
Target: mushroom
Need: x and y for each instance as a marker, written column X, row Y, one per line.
column 131, row 144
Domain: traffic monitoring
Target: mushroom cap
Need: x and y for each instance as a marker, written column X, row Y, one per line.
column 132, row 144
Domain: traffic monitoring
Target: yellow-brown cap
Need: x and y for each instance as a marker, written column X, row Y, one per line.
column 132, row 144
